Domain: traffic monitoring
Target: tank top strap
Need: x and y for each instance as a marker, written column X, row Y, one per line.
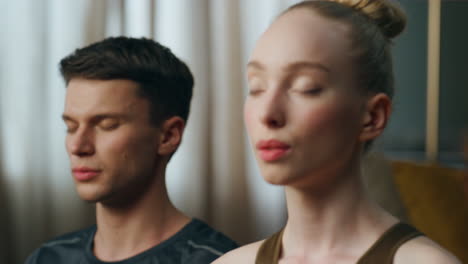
column 384, row 249
column 270, row 249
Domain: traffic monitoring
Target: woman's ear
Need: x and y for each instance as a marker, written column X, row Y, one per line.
column 171, row 135
column 376, row 116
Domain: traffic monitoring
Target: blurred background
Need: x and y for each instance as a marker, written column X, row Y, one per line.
column 213, row 175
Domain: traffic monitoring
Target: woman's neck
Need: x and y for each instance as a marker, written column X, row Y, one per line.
column 340, row 221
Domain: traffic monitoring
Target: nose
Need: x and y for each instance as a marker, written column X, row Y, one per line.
column 81, row 143
column 273, row 113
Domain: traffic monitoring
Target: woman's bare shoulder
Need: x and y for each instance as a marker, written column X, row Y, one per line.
column 245, row 254
column 424, row 250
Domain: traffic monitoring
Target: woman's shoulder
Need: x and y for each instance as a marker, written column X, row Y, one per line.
column 244, row 254
column 424, row 250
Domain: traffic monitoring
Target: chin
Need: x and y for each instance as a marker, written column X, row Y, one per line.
column 89, row 198
column 276, row 177
column 89, row 195
column 285, row 176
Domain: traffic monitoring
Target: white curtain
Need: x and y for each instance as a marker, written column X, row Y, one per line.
column 213, row 176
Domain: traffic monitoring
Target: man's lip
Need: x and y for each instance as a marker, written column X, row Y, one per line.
column 85, row 173
column 271, row 144
column 85, row 169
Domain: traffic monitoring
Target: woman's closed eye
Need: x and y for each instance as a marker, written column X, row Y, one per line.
column 304, row 85
column 255, row 86
column 310, row 89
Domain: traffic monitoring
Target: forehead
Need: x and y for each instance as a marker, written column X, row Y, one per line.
column 88, row 97
column 303, row 35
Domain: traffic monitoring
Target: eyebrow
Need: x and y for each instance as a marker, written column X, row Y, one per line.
column 292, row 66
column 66, row 118
column 97, row 117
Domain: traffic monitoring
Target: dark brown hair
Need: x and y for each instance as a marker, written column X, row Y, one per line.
column 162, row 78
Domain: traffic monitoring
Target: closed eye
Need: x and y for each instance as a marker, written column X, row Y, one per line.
column 71, row 126
column 109, row 124
column 256, row 86
column 254, row 92
column 70, row 130
column 313, row 91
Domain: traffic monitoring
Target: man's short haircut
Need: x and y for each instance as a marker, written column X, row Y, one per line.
column 163, row 79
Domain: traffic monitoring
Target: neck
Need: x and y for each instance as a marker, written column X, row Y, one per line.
column 338, row 221
column 125, row 231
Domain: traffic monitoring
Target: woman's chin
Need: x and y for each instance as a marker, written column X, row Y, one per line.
column 277, row 178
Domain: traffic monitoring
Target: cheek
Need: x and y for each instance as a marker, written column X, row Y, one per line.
column 117, row 144
column 331, row 120
column 67, row 144
column 249, row 116
column 127, row 148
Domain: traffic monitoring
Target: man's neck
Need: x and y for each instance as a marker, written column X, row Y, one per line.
column 123, row 232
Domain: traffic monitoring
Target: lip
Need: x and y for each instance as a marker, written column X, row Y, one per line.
column 272, row 150
column 85, row 173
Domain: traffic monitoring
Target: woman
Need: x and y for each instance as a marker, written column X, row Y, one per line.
column 321, row 83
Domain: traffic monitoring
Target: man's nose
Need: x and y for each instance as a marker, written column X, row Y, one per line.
column 81, row 143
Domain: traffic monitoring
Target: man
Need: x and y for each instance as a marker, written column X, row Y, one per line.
column 126, row 107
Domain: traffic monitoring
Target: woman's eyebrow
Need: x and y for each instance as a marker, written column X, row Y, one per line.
column 255, row 65
column 306, row 65
column 299, row 65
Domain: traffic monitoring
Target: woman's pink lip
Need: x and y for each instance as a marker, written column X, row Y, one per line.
column 271, row 144
column 85, row 174
column 273, row 154
column 272, row 150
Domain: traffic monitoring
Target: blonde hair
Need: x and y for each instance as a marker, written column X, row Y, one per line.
column 373, row 24
column 387, row 15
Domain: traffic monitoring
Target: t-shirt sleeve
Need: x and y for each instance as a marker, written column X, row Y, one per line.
column 207, row 250
column 32, row 259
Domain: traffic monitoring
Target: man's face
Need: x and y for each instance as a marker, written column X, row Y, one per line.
column 110, row 140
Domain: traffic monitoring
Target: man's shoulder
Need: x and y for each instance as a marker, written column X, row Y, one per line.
column 204, row 233
column 63, row 246
column 203, row 242
column 71, row 237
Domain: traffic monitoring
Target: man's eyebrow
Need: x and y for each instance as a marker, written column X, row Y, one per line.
column 98, row 117
column 108, row 115
column 65, row 117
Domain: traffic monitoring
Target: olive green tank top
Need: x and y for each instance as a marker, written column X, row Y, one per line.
column 382, row 251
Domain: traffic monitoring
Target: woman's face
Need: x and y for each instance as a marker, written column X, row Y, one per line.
column 304, row 113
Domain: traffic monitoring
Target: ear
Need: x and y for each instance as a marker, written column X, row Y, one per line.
column 376, row 115
column 171, row 135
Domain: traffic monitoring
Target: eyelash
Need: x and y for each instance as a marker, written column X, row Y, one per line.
column 109, row 127
column 314, row 91
column 70, row 128
column 254, row 92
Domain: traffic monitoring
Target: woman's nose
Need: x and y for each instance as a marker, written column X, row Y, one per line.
column 273, row 110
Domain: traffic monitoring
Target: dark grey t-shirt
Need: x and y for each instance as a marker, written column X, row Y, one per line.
column 195, row 243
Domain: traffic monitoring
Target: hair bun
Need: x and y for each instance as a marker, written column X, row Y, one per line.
column 386, row 14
